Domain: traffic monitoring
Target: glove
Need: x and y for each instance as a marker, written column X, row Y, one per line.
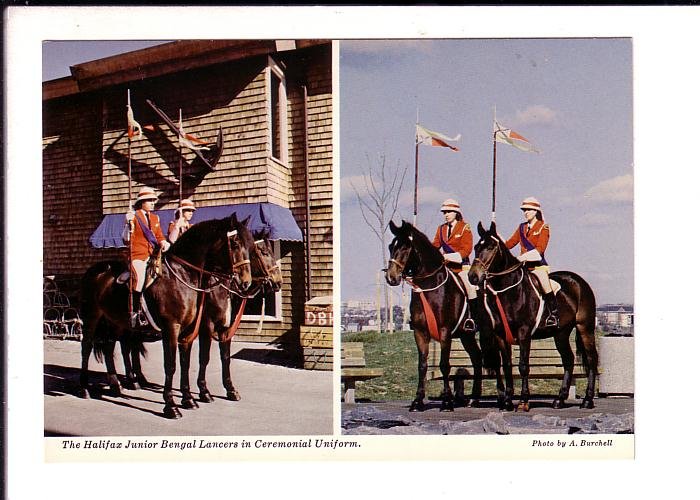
column 453, row 257
column 130, row 215
column 164, row 245
column 530, row 256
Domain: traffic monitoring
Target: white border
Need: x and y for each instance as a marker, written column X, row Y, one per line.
column 666, row 87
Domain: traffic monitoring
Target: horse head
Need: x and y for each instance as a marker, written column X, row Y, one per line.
column 229, row 252
column 265, row 267
column 401, row 258
column 490, row 255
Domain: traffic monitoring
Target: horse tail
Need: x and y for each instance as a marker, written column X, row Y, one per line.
column 583, row 297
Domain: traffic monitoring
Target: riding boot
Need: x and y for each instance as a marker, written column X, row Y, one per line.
column 552, row 319
column 138, row 319
column 469, row 324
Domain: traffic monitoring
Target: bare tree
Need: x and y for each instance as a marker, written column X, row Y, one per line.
column 378, row 203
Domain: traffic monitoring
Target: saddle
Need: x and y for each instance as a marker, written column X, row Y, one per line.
column 556, row 287
column 154, row 269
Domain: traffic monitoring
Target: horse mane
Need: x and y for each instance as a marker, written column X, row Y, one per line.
column 207, row 230
column 423, row 243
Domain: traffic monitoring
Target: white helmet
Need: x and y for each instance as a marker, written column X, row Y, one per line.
column 531, row 204
column 450, row 205
column 147, row 193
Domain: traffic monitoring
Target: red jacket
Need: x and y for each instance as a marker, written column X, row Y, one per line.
column 141, row 248
column 460, row 240
column 537, row 235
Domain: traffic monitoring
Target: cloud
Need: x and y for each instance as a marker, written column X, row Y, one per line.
column 618, row 190
column 427, row 195
column 375, row 47
column 596, row 219
column 535, row 115
column 347, row 192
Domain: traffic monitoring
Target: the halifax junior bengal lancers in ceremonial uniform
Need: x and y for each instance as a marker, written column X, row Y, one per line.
column 533, row 236
column 454, row 239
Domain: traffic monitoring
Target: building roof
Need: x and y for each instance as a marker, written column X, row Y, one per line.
column 619, row 308
column 181, row 55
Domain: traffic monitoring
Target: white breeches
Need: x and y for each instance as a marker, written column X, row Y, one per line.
column 542, row 273
column 140, row 270
column 471, row 289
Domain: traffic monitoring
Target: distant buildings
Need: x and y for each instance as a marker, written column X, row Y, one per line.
column 616, row 318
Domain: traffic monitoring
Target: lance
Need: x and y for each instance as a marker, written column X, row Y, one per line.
column 131, row 223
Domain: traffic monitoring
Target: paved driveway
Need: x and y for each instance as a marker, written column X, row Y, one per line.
column 276, row 399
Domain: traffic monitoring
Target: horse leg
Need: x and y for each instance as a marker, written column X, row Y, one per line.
column 136, row 347
column 204, row 356
column 472, row 348
column 85, row 351
column 169, row 359
column 447, row 398
column 225, row 354
column 422, row 343
column 585, row 341
column 131, row 382
column 507, row 359
column 567, row 359
column 188, row 401
column 112, row 379
column 524, row 369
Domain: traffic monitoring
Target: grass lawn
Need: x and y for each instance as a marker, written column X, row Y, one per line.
column 397, row 354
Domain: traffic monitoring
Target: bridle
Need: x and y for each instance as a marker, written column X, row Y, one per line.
column 486, row 264
column 220, row 277
column 410, row 279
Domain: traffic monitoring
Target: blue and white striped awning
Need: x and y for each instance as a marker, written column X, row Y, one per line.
column 279, row 221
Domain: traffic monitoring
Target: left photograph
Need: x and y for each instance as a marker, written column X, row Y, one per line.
column 188, row 237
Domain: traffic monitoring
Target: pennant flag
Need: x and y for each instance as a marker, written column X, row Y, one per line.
column 133, row 127
column 431, row 138
column 187, row 140
column 508, row 136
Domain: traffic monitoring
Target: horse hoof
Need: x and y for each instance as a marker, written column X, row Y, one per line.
column 206, row 397
column 115, row 391
column 233, row 395
column 83, row 393
column 461, row 402
column 508, row 406
column 523, row 406
column 172, row 412
column 558, row 404
column 417, row 406
column 189, row 404
column 587, row 404
column 474, row 403
column 143, row 382
column 132, row 386
column 447, row 406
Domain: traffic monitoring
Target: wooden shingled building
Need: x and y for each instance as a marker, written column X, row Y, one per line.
column 271, row 100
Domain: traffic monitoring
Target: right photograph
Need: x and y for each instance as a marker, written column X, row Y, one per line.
column 487, row 236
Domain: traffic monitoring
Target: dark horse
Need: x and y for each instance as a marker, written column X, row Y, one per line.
column 414, row 259
column 214, row 251
column 506, row 280
column 223, row 308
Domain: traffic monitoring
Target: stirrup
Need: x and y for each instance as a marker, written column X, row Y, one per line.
column 551, row 321
column 139, row 321
column 469, row 325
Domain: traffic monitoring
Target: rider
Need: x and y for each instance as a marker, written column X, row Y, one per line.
column 181, row 223
column 144, row 226
column 533, row 236
column 454, row 239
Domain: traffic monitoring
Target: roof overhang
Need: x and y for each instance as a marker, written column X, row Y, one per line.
column 181, row 55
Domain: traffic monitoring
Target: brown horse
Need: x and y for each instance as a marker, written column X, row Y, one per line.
column 514, row 304
column 223, row 305
column 215, row 251
column 413, row 258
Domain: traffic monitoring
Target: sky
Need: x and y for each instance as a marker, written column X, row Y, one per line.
column 571, row 98
column 59, row 56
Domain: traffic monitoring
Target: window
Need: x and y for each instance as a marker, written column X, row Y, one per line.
column 272, row 300
column 277, row 92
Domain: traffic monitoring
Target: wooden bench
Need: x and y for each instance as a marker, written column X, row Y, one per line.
column 353, row 368
column 545, row 363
